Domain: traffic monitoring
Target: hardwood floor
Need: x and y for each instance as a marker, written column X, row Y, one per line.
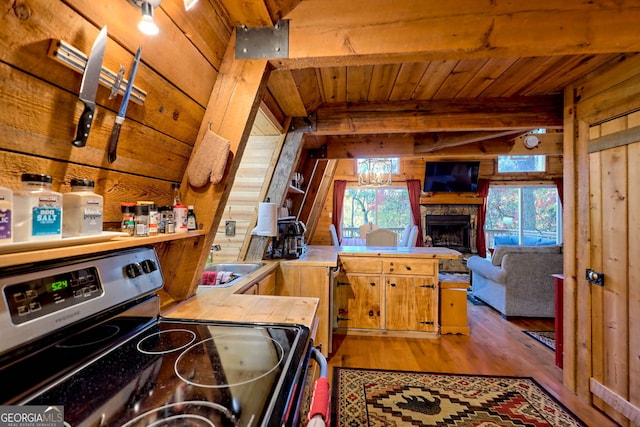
column 494, row 347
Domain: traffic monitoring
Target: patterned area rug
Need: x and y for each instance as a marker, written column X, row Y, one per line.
column 548, row 338
column 369, row 397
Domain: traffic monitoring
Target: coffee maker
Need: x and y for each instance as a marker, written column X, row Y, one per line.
column 290, row 241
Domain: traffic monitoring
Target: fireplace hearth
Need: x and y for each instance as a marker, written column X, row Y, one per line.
column 451, row 231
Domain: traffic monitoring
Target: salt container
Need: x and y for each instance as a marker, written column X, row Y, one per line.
column 37, row 209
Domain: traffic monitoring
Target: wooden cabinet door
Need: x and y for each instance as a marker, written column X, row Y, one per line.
column 411, row 303
column 358, row 301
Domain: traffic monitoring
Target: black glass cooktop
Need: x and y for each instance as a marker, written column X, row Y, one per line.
column 180, row 373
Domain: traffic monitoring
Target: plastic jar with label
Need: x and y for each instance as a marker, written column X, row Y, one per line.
column 154, row 217
column 37, row 209
column 6, row 208
column 166, row 224
column 142, row 220
column 83, row 210
column 180, row 215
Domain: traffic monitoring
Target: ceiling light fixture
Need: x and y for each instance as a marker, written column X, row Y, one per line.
column 147, row 25
column 374, row 172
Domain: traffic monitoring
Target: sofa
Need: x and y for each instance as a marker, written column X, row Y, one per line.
column 528, row 240
column 517, row 280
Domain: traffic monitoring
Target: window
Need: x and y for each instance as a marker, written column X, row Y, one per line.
column 523, row 215
column 393, row 161
column 510, row 164
column 386, row 207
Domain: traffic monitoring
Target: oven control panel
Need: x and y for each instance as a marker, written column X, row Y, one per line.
column 38, row 299
column 45, row 295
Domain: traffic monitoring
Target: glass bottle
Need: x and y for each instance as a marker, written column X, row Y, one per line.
column 192, row 223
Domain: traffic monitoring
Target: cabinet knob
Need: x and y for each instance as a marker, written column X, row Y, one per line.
column 370, row 313
column 393, row 285
column 372, row 283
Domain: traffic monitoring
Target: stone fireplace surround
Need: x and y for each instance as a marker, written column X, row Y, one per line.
column 458, row 265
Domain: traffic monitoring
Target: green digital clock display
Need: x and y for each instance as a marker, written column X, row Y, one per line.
column 59, row 285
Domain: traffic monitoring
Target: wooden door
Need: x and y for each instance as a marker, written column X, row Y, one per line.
column 358, row 301
column 614, row 221
column 410, row 303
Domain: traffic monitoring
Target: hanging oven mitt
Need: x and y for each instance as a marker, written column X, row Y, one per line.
column 209, row 161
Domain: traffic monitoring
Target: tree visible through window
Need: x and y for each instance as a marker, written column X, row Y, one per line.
column 523, row 215
column 387, row 207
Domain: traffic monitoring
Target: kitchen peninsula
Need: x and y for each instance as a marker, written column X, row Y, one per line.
column 352, row 289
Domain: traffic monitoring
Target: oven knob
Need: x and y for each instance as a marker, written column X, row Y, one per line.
column 148, row 265
column 133, row 270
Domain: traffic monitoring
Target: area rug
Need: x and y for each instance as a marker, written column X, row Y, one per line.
column 370, row 397
column 548, row 338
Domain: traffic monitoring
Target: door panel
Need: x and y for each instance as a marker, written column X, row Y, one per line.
column 614, row 206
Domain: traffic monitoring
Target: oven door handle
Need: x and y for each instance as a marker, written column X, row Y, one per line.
column 321, row 397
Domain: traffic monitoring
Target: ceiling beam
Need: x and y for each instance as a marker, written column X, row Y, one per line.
column 451, row 144
column 258, row 13
column 486, row 114
column 380, row 31
column 441, row 140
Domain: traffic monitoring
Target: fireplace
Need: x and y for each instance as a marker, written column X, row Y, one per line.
column 451, row 231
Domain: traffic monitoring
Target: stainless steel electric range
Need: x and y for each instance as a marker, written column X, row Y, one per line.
column 86, row 334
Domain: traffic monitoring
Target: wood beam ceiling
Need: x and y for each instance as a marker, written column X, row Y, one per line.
column 375, row 31
column 486, row 114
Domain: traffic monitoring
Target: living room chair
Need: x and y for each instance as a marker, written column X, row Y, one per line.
column 413, row 237
column 367, row 228
column 334, row 235
column 382, row 237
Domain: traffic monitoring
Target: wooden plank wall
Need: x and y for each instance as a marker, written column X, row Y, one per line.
column 39, row 107
column 602, row 352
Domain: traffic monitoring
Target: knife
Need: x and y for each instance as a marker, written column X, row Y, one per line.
column 89, row 87
column 115, row 133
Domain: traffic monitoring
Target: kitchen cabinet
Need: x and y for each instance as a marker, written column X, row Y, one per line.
column 386, row 294
column 453, row 305
column 296, row 279
column 264, row 286
column 357, row 301
column 411, row 303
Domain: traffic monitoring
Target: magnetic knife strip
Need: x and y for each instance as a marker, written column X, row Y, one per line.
column 68, row 55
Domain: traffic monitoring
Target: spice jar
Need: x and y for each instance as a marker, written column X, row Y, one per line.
column 128, row 218
column 142, row 220
column 83, row 210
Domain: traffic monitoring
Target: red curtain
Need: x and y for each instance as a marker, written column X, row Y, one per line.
column 559, row 187
column 414, row 189
column 481, row 241
column 339, row 187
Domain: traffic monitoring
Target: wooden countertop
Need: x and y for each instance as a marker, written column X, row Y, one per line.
column 230, row 304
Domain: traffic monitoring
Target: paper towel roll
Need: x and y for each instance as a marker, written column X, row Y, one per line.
column 267, row 220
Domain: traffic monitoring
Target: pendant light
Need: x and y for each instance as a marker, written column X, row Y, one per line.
column 147, row 25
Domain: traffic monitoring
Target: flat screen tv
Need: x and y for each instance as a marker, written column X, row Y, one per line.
column 458, row 177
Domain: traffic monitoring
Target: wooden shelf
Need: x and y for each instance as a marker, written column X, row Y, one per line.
column 10, row 259
column 296, row 190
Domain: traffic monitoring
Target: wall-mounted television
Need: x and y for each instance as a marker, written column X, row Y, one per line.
column 458, row 177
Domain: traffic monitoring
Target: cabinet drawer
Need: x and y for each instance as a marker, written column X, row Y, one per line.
column 409, row 266
column 361, row 265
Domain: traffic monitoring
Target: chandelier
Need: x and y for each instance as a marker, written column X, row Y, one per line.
column 374, row 172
